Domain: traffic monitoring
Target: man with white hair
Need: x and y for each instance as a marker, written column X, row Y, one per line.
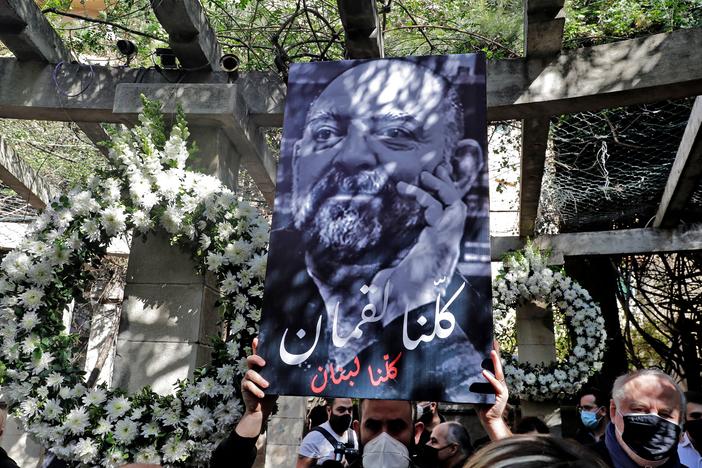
column 646, row 412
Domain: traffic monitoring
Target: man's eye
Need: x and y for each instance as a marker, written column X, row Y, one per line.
column 396, row 132
column 325, row 134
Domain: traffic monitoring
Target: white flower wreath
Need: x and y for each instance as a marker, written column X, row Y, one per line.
column 525, row 277
column 145, row 188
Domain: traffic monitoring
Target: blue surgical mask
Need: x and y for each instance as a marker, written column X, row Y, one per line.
column 589, row 419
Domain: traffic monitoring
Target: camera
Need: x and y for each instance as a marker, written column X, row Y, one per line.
column 342, row 450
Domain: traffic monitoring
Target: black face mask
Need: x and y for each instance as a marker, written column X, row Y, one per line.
column 340, row 423
column 694, row 430
column 649, row 436
column 431, row 454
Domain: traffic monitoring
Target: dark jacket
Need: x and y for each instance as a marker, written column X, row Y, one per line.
column 6, row 461
column 234, row 452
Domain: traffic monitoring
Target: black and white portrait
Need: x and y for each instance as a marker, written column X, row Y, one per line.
column 378, row 281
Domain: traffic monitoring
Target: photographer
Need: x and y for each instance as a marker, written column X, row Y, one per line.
column 331, row 440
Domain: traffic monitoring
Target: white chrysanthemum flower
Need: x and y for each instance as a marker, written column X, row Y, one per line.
column 95, row 397
column 208, row 386
column 142, row 221
column 199, row 421
column 114, row 458
column 114, row 220
column 86, row 450
column 205, row 241
column 237, row 251
column 229, row 284
column 151, row 429
column 91, row 229
column 168, row 183
column 258, row 265
column 54, row 379
column 103, row 427
column 6, row 285
column 117, row 407
column 171, row 418
column 29, row 407
column 30, row 343
column 191, row 394
column 42, row 363
column 52, row 410
column 16, row 265
column 32, row 298
column 40, row 274
column 172, row 219
column 29, row 321
column 225, row 374
column 215, row 261
column 84, row 203
column 125, row 431
column 149, row 455
column 174, row 450
column 77, row 421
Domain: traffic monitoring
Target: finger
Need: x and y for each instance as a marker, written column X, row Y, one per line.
column 254, row 345
column 498, row 385
column 433, row 207
column 497, row 365
column 250, row 387
column 443, row 174
column 256, row 378
column 447, row 191
column 255, row 362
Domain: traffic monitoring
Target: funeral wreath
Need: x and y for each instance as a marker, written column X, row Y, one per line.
column 145, row 188
column 526, row 277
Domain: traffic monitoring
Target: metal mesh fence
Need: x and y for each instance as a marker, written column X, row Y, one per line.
column 608, row 169
column 14, row 208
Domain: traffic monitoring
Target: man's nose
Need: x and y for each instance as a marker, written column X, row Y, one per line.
column 355, row 151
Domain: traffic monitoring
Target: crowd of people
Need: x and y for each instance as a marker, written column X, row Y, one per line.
column 648, row 422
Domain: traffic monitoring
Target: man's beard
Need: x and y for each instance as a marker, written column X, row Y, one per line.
column 358, row 219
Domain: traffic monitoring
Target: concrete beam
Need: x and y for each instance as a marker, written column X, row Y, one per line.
column 364, row 39
column 586, row 79
column 28, row 35
column 617, row 242
column 543, row 33
column 222, row 106
column 20, row 177
column 686, row 172
column 189, row 33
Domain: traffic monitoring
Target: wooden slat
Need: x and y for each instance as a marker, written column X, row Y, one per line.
column 543, row 33
column 189, row 33
column 20, row 177
column 619, row 242
column 686, row 173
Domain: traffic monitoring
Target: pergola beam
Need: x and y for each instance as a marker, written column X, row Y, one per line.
column 29, row 36
column 623, row 73
column 686, row 173
column 617, row 242
column 543, row 32
column 361, row 28
column 20, row 177
column 189, row 33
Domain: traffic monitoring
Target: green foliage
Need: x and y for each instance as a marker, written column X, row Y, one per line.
column 591, row 22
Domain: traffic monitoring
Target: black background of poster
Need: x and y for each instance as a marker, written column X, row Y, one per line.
column 291, row 300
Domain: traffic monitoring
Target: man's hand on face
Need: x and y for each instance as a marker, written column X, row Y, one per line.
column 436, row 251
column 491, row 416
column 257, row 404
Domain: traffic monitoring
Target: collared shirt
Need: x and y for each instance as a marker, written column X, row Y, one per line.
column 687, row 453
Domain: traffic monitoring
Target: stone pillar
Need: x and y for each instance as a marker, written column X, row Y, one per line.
column 285, row 432
column 537, row 343
column 168, row 312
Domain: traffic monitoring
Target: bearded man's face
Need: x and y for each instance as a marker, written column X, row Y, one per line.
column 370, row 128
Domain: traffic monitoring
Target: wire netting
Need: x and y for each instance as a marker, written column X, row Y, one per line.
column 608, row 169
column 14, row 208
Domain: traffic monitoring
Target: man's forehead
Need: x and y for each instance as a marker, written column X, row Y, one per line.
column 345, row 402
column 372, row 89
column 651, row 389
column 587, row 399
column 386, row 410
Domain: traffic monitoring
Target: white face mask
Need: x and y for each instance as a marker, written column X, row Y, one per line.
column 385, row 452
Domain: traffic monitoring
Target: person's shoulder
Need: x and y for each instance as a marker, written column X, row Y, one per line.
column 6, row 461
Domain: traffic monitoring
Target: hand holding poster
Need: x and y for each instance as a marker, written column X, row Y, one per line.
column 378, row 281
